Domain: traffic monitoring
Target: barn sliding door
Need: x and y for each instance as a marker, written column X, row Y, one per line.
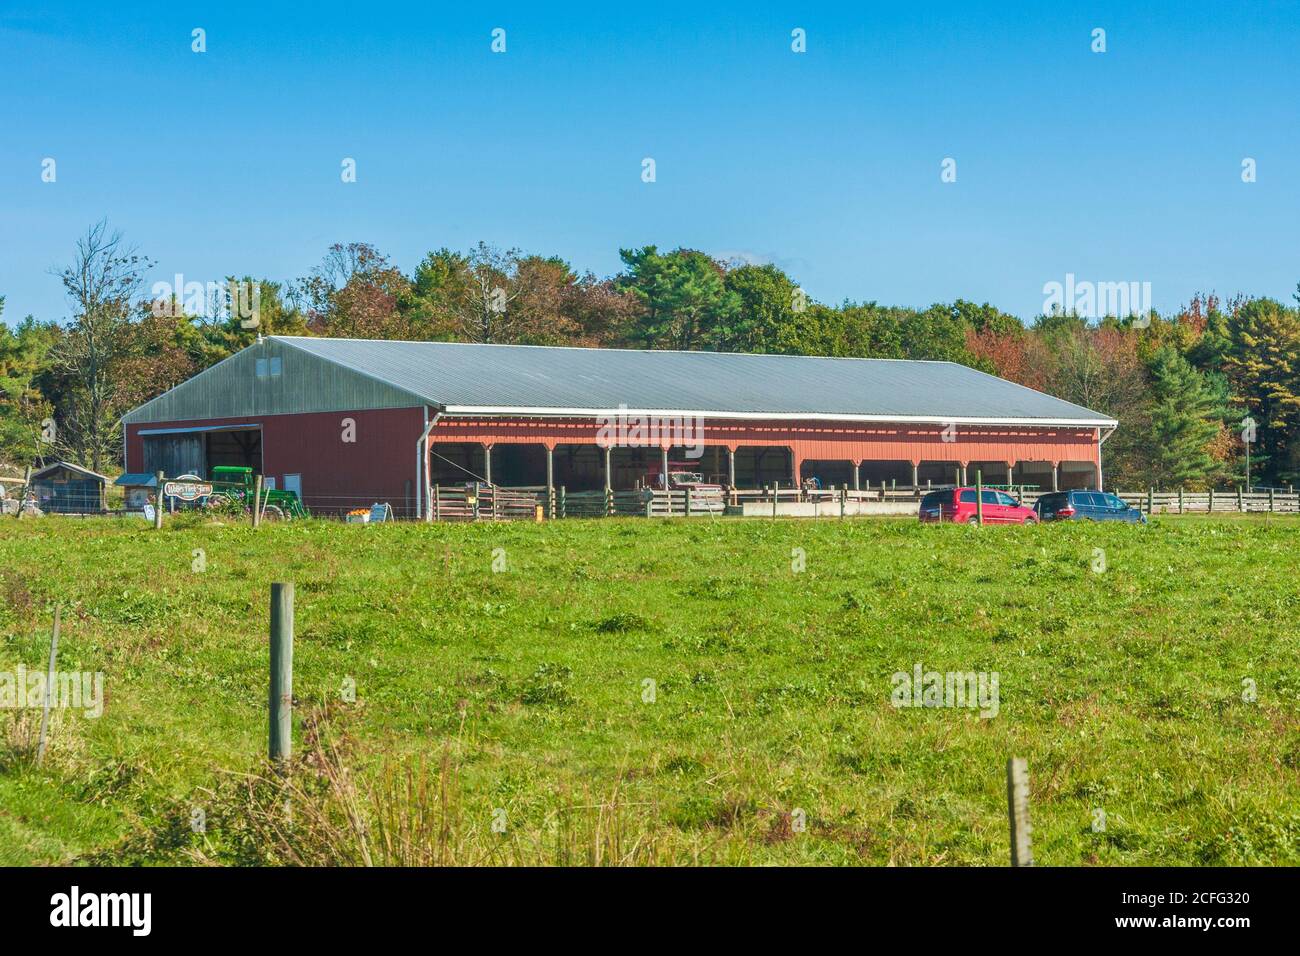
column 175, row 455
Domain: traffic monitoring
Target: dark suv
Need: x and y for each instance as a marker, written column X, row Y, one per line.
column 1085, row 506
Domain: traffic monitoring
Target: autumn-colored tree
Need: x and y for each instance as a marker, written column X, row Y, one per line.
column 355, row 293
column 1014, row 355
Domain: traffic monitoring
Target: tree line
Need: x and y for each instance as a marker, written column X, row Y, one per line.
column 1190, row 388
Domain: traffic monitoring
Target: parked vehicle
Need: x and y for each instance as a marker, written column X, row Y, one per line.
column 960, row 505
column 233, row 486
column 680, row 476
column 1086, row 506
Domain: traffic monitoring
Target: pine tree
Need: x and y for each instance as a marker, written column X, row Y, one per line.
column 1184, row 421
column 1263, row 364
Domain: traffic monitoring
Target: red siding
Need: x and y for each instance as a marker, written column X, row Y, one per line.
column 336, row 475
column 812, row 440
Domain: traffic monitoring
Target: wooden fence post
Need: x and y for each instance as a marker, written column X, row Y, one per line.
column 1240, row 504
column 1180, row 499
column 1211, row 508
column 281, row 694
column 686, row 494
column 476, row 501
column 22, row 495
column 257, row 502
column 776, row 488
column 158, row 503
column 1022, row 853
column 844, row 499
column 437, row 502
column 1270, row 499
column 1151, row 494
column 49, row 687
column 649, row 502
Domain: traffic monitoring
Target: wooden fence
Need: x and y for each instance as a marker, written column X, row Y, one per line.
column 486, row 502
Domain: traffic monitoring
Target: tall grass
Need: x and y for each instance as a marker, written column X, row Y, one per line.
column 318, row 810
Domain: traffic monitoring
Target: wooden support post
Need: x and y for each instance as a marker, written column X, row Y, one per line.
column 609, row 481
column 915, row 470
column 487, row 463
column 550, row 482
column 49, row 687
column 257, row 501
column 857, row 476
column 731, row 469
column 963, row 475
column 979, row 496
column 1022, row 853
column 22, row 495
column 663, row 466
column 437, row 502
column 1056, row 477
column 281, row 694
column 158, row 502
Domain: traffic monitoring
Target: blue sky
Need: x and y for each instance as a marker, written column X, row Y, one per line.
column 1119, row 166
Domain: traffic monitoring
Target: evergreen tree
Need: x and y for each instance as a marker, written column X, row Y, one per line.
column 1184, row 421
column 1263, row 363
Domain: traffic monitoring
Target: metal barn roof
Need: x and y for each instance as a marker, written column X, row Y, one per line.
column 462, row 378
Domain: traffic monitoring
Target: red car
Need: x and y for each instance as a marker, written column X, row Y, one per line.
column 958, row 504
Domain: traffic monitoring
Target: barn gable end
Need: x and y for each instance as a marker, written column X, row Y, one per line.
column 271, row 378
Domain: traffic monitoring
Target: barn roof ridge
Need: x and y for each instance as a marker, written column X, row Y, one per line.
column 583, row 380
column 601, row 348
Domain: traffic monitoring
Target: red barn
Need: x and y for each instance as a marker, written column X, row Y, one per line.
column 349, row 422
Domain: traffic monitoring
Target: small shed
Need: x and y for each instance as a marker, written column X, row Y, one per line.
column 65, row 488
column 140, row 489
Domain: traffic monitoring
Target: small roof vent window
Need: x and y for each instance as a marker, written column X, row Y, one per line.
column 267, row 368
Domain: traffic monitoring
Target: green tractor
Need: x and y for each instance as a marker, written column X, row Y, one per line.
column 233, row 488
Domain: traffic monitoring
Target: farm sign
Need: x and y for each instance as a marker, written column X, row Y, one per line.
column 187, row 488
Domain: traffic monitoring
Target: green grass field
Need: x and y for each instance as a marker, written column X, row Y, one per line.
column 520, row 698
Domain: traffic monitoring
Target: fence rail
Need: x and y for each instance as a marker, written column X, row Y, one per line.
column 484, row 502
